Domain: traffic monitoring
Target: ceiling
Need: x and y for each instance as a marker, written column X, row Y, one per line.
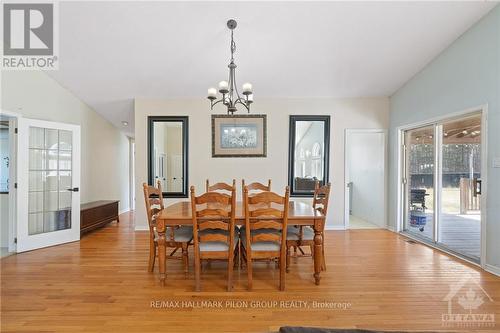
column 112, row 52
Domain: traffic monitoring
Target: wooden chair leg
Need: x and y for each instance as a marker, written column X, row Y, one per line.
column 288, row 259
column 185, row 257
column 282, row 270
column 197, row 268
column 323, row 252
column 230, row 268
column 249, row 271
column 152, row 255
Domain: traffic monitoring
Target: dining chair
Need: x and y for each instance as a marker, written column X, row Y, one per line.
column 215, row 238
column 298, row 236
column 255, row 186
column 177, row 237
column 219, row 186
column 264, row 235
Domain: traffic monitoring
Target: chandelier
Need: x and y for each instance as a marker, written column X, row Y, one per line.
column 230, row 95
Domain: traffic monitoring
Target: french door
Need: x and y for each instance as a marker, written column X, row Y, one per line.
column 442, row 184
column 48, row 182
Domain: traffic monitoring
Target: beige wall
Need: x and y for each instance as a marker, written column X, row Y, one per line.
column 105, row 150
column 345, row 113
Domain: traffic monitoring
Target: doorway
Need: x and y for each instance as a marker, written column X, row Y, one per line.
column 7, row 194
column 365, row 179
column 442, row 184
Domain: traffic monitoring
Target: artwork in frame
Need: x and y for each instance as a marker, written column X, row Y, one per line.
column 239, row 135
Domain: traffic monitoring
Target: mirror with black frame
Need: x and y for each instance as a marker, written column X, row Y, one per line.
column 168, row 154
column 309, row 153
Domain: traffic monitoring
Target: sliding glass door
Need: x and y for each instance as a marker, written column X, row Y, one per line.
column 420, row 154
column 442, row 182
column 460, row 225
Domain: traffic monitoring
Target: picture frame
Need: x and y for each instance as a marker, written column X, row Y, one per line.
column 239, row 135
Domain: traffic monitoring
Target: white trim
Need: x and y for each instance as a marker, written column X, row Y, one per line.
column 483, row 109
column 346, row 173
column 492, row 269
column 124, row 210
column 12, row 247
column 141, row 228
column 484, row 182
column 335, row 227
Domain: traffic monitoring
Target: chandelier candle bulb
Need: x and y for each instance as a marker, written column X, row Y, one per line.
column 223, row 86
column 247, row 88
column 212, row 93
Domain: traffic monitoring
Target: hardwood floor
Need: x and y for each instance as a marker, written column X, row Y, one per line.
column 101, row 284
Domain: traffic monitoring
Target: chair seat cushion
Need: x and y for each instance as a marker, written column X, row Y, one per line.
column 293, row 233
column 261, row 246
column 181, row 234
column 216, row 246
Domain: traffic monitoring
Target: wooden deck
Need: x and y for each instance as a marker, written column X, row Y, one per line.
column 460, row 233
column 101, row 284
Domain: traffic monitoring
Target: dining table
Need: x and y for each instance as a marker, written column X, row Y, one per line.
column 299, row 213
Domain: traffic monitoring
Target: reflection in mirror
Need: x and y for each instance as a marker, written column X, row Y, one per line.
column 309, row 146
column 168, row 154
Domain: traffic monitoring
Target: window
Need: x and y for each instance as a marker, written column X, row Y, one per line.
column 168, row 154
column 309, row 142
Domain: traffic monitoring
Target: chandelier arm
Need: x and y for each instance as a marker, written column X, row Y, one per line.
column 239, row 100
column 217, row 102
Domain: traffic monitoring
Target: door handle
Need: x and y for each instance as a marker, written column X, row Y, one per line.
column 74, row 189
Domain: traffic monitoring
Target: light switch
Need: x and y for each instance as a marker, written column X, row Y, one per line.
column 496, row 162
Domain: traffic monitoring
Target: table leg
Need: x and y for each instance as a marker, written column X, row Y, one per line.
column 160, row 228
column 318, row 251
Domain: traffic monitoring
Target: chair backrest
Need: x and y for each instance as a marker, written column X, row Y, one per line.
column 216, row 212
column 219, row 186
column 255, row 186
column 321, row 196
column 268, row 213
column 153, row 197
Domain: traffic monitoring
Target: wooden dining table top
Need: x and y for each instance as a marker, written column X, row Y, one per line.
column 298, row 212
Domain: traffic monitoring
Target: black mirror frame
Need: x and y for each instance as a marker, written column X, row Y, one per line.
column 291, row 151
column 185, row 152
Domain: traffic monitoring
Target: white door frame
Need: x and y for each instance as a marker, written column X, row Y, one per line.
column 26, row 242
column 484, row 171
column 12, row 177
column 347, row 132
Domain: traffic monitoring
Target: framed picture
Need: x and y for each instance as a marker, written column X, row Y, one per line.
column 239, row 136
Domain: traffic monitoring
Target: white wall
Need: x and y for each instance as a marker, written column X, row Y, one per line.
column 105, row 150
column 345, row 113
column 366, row 170
column 466, row 75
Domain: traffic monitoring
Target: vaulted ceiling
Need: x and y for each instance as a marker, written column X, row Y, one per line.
column 112, row 52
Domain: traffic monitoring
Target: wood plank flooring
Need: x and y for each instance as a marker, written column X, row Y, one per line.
column 101, row 284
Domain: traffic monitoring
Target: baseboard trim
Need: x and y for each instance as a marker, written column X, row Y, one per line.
column 126, row 210
column 334, row 227
column 492, row 269
column 141, row 228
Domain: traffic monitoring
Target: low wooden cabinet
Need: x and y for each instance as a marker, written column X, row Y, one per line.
column 97, row 214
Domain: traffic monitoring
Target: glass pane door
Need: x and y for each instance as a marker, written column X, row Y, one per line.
column 460, row 221
column 48, row 172
column 420, row 155
column 442, row 184
column 50, row 183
